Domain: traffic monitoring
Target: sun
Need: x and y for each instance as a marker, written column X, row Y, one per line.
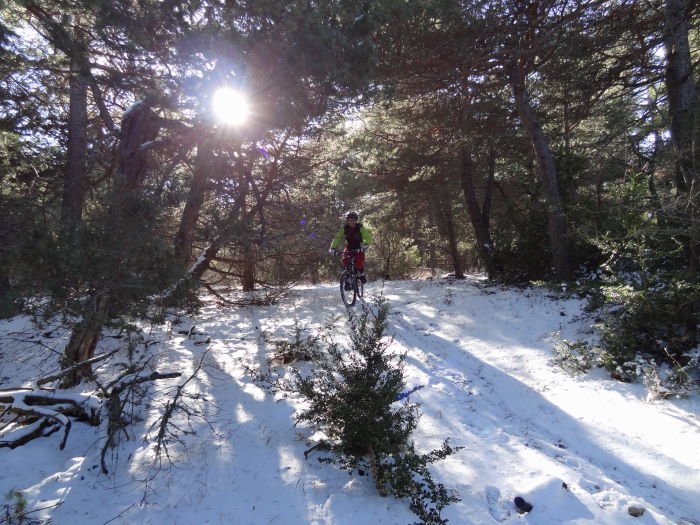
column 230, row 106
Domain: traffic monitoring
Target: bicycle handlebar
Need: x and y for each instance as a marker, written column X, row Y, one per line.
column 349, row 252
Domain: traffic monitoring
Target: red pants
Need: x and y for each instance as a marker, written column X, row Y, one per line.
column 359, row 259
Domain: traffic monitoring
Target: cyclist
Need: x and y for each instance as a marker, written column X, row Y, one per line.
column 356, row 237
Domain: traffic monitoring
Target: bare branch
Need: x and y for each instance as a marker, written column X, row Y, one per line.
column 76, row 366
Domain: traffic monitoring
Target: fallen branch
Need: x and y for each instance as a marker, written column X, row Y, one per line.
column 115, row 403
column 40, row 428
column 37, row 413
column 70, row 369
column 19, row 517
column 47, row 409
column 173, row 405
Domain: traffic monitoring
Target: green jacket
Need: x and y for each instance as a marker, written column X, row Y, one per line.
column 340, row 237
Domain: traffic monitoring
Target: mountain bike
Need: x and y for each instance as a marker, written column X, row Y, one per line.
column 351, row 286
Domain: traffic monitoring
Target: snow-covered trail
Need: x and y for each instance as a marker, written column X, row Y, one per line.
column 482, row 353
column 529, row 428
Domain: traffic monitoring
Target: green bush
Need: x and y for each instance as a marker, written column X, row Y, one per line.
column 351, row 395
column 576, row 357
column 14, row 512
column 392, row 256
column 356, row 399
column 406, row 475
column 656, row 318
column 646, row 295
column 300, row 348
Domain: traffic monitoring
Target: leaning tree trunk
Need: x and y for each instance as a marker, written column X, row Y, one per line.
column 479, row 217
column 556, row 222
column 185, row 234
column 203, row 262
column 139, row 126
column 76, row 155
column 84, row 338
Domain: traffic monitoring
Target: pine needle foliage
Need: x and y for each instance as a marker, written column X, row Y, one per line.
column 353, row 398
column 352, row 394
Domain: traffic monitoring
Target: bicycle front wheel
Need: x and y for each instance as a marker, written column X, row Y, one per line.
column 348, row 288
column 359, row 288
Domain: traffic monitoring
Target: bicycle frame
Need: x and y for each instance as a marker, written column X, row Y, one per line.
column 349, row 276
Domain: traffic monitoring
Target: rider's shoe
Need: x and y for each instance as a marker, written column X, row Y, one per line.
column 361, row 276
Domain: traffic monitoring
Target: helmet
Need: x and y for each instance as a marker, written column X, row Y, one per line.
column 351, row 215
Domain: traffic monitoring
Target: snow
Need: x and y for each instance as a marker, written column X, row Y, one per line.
column 133, row 107
column 581, row 450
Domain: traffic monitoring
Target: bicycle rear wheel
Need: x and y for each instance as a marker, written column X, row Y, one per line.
column 359, row 287
column 348, row 296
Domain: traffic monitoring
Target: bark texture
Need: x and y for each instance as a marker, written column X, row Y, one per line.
column 479, row 216
column 76, row 162
column 681, row 90
column 139, row 127
column 556, row 223
column 185, row 233
column 84, row 338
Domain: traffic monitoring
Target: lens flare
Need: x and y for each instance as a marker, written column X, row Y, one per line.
column 230, row 106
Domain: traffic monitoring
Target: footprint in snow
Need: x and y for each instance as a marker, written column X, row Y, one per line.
column 497, row 506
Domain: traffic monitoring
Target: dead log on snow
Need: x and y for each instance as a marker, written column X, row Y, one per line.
column 45, row 413
column 30, row 413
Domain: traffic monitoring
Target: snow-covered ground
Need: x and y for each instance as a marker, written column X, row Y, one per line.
column 580, row 450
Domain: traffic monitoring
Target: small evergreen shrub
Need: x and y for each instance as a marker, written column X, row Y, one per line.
column 576, row 357
column 672, row 380
column 653, row 319
column 300, row 348
column 646, row 295
column 14, row 511
column 351, row 395
column 406, row 475
column 357, row 399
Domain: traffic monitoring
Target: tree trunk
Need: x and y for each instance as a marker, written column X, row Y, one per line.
column 490, row 183
column 185, row 234
column 681, row 90
column 201, row 265
column 555, row 214
column 452, row 243
column 248, row 275
column 313, row 273
column 139, row 126
column 684, row 112
column 442, row 209
column 8, row 307
column 75, row 170
column 84, row 338
column 479, row 221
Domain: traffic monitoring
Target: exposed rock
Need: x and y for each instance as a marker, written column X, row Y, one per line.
column 522, row 505
column 635, row 510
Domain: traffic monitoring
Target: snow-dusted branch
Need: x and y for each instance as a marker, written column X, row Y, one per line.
column 71, row 369
column 116, row 402
column 44, row 412
column 173, row 406
column 30, row 413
